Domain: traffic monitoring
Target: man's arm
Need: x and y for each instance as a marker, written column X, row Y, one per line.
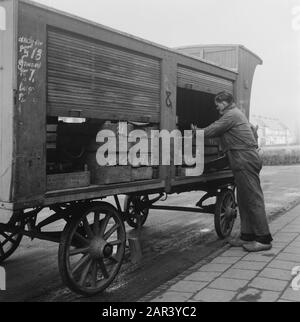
column 219, row 127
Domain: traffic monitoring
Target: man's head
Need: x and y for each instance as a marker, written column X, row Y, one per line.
column 223, row 100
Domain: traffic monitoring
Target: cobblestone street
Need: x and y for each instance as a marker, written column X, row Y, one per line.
column 233, row 275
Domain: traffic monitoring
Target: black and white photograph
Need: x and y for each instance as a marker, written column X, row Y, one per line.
column 149, row 154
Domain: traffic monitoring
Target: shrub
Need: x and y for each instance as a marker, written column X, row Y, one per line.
column 286, row 155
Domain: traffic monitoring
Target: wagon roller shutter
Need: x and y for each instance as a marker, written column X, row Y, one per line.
column 188, row 78
column 96, row 79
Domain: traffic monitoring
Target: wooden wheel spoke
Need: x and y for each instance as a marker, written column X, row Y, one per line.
column 1, row 250
column 230, row 204
column 111, row 231
column 81, row 239
column 144, row 212
column 83, row 261
column 78, row 251
column 5, row 242
column 3, row 234
column 229, row 201
column 87, row 228
column 223, row 222
column 85, row 272
column 133, row 216
column 94, row 274
column 8, row 238
column 96, row 223
column 114, row 259
column 103, row 269
column 115, row 242
column 104, row 224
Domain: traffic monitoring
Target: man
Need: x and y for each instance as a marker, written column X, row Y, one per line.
column 238, row 142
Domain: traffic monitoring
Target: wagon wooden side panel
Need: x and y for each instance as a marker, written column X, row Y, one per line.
column 235, row 57
column 248, row 63
column 7, row 90
column 60, row 66
column 30, row 118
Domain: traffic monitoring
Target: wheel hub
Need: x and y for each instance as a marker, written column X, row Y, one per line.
column 99, row 248
column 108, row 251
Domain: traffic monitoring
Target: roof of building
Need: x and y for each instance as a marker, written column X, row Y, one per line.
column 270, row 123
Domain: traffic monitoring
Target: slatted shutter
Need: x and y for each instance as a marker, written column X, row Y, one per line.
column 96, row 79
column 191, row 79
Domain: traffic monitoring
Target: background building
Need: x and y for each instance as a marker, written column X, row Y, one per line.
column 272, row 131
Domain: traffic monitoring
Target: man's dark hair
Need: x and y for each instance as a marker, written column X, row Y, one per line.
column 224, row 97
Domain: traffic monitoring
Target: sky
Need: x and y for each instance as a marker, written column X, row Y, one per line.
column 270, row 28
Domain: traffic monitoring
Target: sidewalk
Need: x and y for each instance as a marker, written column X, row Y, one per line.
column 233, row 275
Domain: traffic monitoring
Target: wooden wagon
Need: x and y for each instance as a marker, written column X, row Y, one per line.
column 62, row 79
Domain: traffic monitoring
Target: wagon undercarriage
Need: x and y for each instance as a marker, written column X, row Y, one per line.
column 93, row 242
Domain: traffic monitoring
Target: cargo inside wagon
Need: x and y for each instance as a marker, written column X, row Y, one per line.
column 72, row 145
column 198, row 108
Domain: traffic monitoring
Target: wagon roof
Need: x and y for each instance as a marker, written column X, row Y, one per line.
column 73, row 16
column 221, row 46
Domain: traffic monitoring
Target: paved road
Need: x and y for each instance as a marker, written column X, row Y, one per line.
column 171, row 242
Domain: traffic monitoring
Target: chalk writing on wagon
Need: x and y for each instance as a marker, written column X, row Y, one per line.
column 29, row 63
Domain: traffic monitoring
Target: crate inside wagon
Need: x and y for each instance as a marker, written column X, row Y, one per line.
column 72, row 153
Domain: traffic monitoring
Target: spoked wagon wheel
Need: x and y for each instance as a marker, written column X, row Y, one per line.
column 10, row 241
column 136, row 210
column 92, row 248
column 225, row 213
